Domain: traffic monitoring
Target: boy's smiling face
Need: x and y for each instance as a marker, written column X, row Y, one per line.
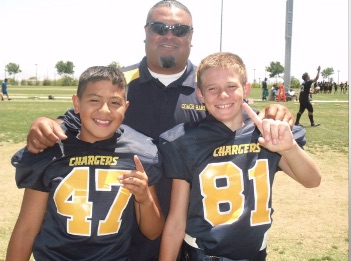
column 222, row 93
column 102, row 108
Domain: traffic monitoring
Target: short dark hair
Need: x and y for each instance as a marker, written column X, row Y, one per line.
column 169, row 4
column 304, row 76
column 101, row 73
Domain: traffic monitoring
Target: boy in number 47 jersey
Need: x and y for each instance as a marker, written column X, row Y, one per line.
column 81, row 195
column 223, row 170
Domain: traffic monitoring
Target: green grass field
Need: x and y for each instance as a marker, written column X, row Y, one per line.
column 331, row 110
column 309, row 224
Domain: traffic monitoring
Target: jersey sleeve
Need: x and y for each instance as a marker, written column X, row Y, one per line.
column 172, row 164
column 152, row 167
column 299, row 135
column 30, row 168
column 170, row 156
column 71, row 120
column 146, row 151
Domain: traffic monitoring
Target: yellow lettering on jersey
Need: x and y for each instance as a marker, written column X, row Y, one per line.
column 255, row 147
column 227, row 151
column 236, row 149
column 188, row 106
column 93, row 161
column 83, row 161
column 72, row 201
column 197, row 107
column 262, row 213
column 231, row 193
column 112, row 222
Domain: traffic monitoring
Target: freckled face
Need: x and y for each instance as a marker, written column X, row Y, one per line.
column 222, row 93
column 102, row 108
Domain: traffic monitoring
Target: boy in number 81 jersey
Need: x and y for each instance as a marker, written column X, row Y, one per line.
column 82, row 195
column 223, row 169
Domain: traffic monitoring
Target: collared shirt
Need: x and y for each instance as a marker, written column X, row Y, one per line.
column 155, row 108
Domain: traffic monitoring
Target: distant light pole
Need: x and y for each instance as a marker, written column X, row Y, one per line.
column 338, row 76
column 220, row 43
column 254, row 75
column 36, row 74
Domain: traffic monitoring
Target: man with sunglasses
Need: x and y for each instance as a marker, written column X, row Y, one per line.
column 161, row 95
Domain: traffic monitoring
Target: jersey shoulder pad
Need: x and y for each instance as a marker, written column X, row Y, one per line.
column 131, row 72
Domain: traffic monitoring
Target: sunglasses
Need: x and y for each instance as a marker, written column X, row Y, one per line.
column 177, row 30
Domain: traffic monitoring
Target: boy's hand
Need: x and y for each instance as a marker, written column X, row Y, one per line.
column 276, row 134
column 137, row 182
column 277, row 112
column 44, row 133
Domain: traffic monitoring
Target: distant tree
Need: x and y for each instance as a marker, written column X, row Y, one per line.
column 295, row 83
column 64, row 68
column 327, row 72
column 114, row 65
column 13, row 68
column 275, row 69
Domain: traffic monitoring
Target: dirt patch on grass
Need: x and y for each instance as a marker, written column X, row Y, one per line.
column 308, row 224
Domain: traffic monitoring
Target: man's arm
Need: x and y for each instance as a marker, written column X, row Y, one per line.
column 317, row 76
column 43, row 133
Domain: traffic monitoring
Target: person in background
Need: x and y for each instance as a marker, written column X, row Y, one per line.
column 346, row 87
column 4, row 90
column 161, row 95
column 264, row 89
column 335, row 87
column 304, row 98
column 341, row 87
column 223, row 170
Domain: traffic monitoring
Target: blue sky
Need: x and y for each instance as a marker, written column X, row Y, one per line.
column 89, row 33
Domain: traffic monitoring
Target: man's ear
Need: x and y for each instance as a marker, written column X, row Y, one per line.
column 127, row 105
column 199, row 95
column 75, row 100
column 247, row 90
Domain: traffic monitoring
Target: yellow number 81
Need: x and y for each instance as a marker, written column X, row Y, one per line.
column 230, row 193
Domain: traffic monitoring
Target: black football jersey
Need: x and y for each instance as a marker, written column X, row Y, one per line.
column 305, row 91
column 89, row 215
column 231, row 179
